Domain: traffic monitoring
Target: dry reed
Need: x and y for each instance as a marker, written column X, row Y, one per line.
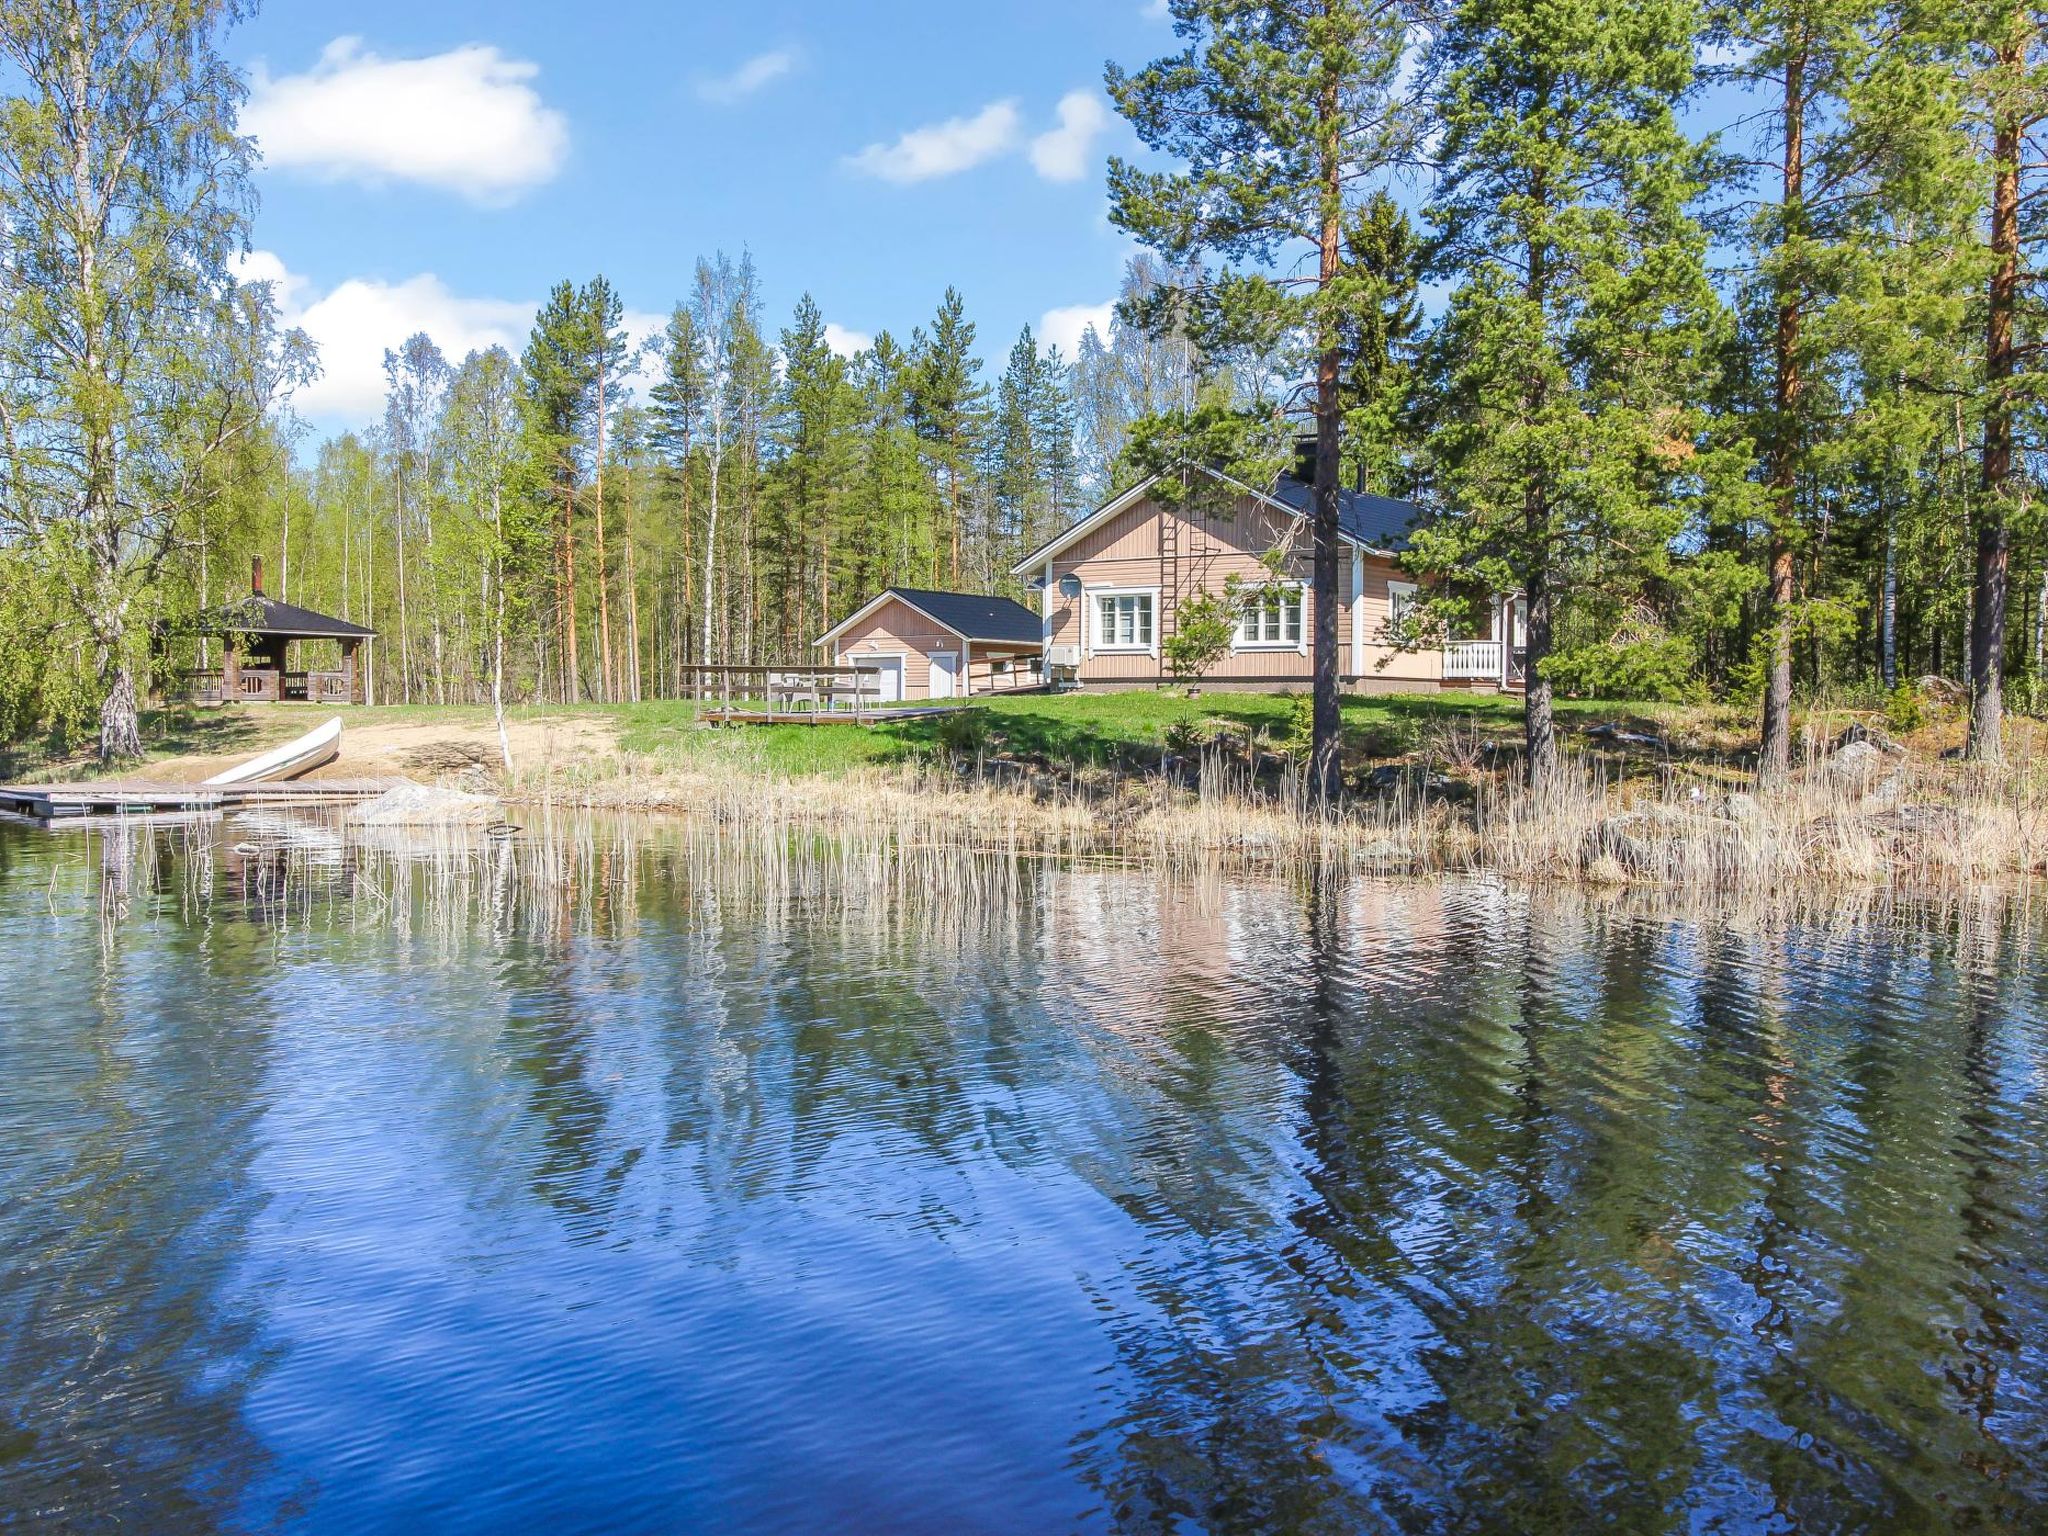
column 1891, row 820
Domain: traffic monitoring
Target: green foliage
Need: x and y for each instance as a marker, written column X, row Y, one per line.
column 1663, row 667
column 1298, row 734
column 1904, row 709
column 1184, row 735
column 964, row 731
column 1204, row 626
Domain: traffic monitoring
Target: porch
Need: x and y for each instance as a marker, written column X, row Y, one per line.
column 1486, row 662
column 1498, row 659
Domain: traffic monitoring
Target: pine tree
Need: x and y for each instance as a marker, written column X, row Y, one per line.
column 1284, row 114
column 948, row 409
column 1384, row 257
column 2004, row 79
column 1576, row 342
column 1807, row 53
column 559, row 381
column 818, row 457
column 606, row 360
column 679, row 410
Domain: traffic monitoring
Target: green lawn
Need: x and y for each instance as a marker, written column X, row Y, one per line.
column 1083, row 728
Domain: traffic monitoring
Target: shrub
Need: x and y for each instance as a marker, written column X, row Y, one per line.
column 1904, row 710
column 1663, row 666
column 1202, row 631
column 964, row 730
column 1184, row 737
column 1301, row 722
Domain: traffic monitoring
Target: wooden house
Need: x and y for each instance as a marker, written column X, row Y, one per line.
column 1110, row 588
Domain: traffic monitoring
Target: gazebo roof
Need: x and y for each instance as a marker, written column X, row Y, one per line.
column 258, row 615
column 266, row 616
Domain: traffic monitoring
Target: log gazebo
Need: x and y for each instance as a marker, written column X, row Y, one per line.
column 256, row 636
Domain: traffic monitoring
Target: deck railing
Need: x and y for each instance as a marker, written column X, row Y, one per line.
column 784, row 690
column 1473, row 658
column 262, row 685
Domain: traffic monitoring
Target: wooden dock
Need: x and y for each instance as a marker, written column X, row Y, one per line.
column 115, row 797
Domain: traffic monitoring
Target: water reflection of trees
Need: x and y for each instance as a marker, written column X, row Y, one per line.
column 128, row 1116
column 1586, row 1239
column 1447, row 1206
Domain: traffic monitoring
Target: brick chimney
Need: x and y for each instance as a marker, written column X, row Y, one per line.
column 256, row 575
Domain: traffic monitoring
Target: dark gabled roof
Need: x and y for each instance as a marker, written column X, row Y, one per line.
column 1379, row 521
column 267, row 616
column 974, row 616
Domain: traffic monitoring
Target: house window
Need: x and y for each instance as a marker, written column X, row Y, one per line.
column 1401, row 599
column 1271, row 619
column 1123, row 621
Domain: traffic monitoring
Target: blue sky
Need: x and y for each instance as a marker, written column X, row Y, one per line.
column 439, row 164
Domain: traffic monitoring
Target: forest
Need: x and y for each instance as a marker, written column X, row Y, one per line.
column 1749, row 412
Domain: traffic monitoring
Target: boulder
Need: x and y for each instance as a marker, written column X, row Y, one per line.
column 428, row 805
column 1859, row 734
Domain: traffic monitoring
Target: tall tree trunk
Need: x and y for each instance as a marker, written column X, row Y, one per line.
column 632, row 677
column 710, row 547
column 1539, row 720
column 1774, row 759
column 606, row 690
column 1326, row 716
column 498, row 627
column 572, row 674
column 404, row 607
column 1889, row 640
column 1994, row 534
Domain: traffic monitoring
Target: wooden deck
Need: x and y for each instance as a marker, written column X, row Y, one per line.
column 873, row 714
column 116, row 797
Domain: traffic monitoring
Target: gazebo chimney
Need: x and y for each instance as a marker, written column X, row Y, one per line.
column 256, row 575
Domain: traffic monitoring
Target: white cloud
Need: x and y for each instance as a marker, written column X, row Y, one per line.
column 846, row 342
column 468, row 120
column 1063, row 327
column 254, row 267
column 942, row 149
column 356, row 322
column 760, row 70
column 1062, row 153
column 1155, row 10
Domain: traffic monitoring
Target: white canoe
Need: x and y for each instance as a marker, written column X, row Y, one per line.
column 322, row 745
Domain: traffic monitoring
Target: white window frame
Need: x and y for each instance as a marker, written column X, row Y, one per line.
column 1096, row 645
column 1298, row 591
column 1400, row 593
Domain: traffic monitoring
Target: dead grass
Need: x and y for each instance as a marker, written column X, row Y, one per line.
column 1897, row 819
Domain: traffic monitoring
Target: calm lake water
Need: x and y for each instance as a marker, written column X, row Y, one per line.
column 631, row 1180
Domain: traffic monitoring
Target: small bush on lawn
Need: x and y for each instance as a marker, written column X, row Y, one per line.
column 964, row 731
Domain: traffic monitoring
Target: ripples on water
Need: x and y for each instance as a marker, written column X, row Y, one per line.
column 628, row 1179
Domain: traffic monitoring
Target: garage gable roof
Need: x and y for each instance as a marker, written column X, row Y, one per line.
column 970, row 615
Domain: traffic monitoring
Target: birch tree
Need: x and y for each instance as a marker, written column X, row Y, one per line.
column 129, row 360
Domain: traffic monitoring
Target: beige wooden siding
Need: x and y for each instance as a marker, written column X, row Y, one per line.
column 1381, row 660
column 896, row 629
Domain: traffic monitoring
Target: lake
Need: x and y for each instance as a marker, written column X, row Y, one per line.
column 629, row 1177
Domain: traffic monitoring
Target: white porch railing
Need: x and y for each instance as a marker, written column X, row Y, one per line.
column 1473, row 658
